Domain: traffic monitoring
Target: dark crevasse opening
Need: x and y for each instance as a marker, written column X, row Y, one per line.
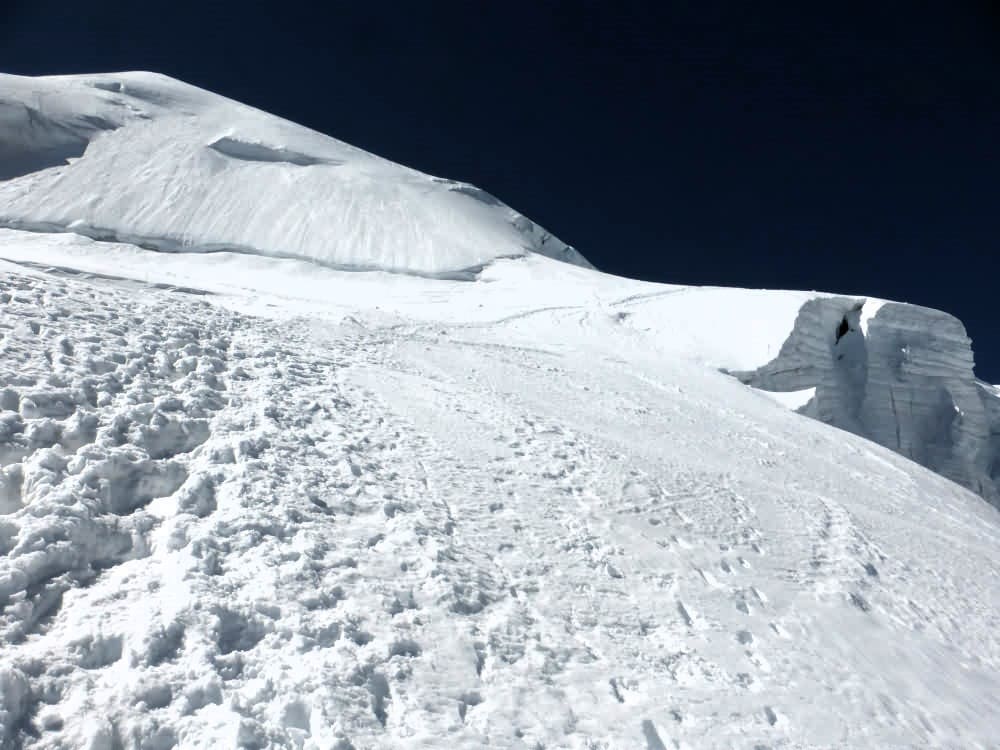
column 843, row 328
column 850, row 371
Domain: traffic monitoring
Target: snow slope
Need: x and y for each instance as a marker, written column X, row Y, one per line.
column 460, row 517
column 166, row 165
column 248, row 500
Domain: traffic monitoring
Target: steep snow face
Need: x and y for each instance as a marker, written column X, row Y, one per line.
column 899, row 374
column 146, row 159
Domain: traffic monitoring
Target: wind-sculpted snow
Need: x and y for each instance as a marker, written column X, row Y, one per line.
column 144, row 159
column 901, row 375
column 221, row 530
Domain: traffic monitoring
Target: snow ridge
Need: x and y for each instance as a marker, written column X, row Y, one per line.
column 141, row 158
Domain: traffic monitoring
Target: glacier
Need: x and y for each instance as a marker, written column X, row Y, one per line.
column 300, row 448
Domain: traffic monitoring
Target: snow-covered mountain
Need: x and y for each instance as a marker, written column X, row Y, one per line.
column 301, row 448
column 164, row 165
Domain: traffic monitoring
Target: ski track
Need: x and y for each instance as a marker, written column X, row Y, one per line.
column 220, row 531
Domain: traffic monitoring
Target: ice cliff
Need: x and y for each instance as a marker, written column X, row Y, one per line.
column 898, row 374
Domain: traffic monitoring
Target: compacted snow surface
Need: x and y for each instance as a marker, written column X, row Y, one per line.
column 252, row 501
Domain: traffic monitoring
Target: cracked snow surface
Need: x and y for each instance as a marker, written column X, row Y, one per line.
column 219, row 531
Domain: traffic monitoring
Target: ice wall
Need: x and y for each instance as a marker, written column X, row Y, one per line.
column 898, row 374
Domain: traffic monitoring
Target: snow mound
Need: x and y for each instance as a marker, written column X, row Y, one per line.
column 148, row 160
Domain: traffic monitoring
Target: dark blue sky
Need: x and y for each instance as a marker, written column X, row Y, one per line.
column 849, row 148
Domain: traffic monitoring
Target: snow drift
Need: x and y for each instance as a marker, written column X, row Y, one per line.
column 145, row 159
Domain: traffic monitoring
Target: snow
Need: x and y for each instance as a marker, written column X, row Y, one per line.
column 161, row 164
column 303, row 529
column 912, row 369
column 249, row 500
column 794, row 400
